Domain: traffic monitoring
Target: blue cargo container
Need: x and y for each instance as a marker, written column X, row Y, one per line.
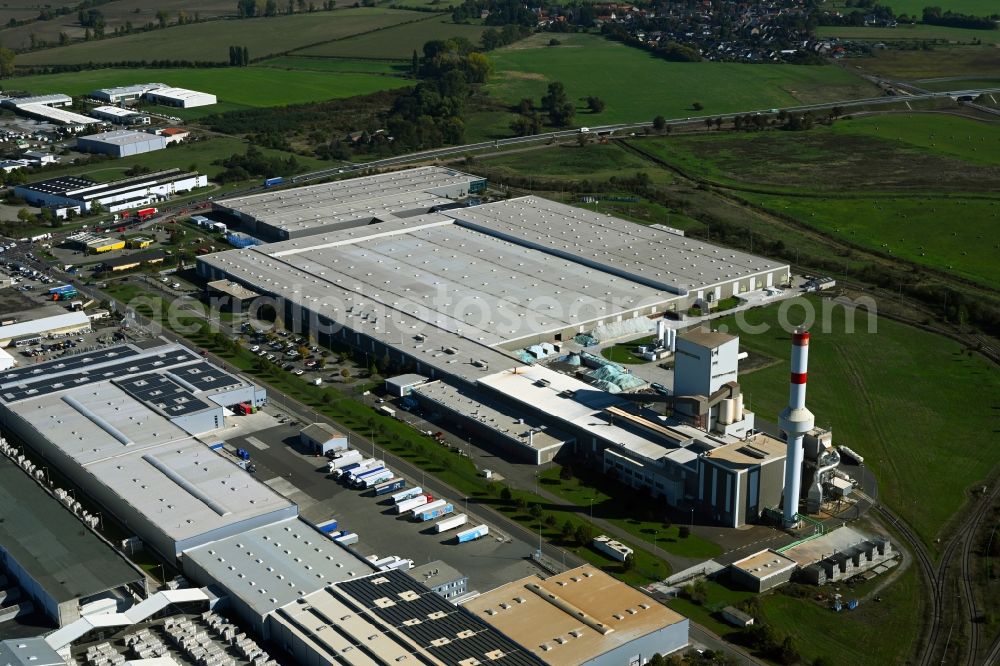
column 271, row 182
column 390, row 486
column 328, row 526
column 63, row 289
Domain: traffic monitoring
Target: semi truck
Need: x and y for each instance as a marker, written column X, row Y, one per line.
column 413, row 503
column 472, row 534
column 376, row 479
column 450, row 523
column 409, row 493
column 339, row 471
column 436, row 504
column 366, row 465
column 432, row 514
column 390, row 486
column 348, row 539
column 146, row 213
column 358, row 480
column 344, row 459
column 327, row 527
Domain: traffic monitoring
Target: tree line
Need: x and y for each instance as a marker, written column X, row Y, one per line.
column 239, row 56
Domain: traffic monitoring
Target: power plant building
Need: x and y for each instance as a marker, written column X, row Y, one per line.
column 120, row 423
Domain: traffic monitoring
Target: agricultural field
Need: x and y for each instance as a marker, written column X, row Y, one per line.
column 116, row 14
column 954, row 235
column 338, row 65
column 594, row 162
column 592, row 65
column 209, row 41
column 947, row 61
column 909, row 32
column 398, row 42
column 948, row 397
column 950, row 83
column 897, row 152
column 236, row 87
column 916, row 7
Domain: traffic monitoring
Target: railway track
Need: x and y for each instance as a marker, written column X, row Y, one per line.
column 963, row 542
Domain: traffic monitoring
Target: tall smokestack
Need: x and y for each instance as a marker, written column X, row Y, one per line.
column 795, row 421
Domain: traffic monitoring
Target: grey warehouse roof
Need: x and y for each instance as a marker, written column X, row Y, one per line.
column 64, row 557
column 121, row 137
column 303, row 208
column 272, row 566
column 649, row 256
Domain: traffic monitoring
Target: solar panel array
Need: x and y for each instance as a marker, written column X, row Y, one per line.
column 162, row 392
column 205, row 377
column 449, row 633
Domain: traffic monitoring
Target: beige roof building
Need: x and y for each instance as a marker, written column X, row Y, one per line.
column 582, row 616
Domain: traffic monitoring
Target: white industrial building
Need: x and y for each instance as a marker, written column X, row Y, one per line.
column 179, row 97
column 66, row 322
column 306, row 211
column 53, row 100
column 122, row 94
column 119, row 115
column 120, row 424
column 134, row 192
column 48, row 107
column 120, row 143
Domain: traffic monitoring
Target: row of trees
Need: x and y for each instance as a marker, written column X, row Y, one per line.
column 254, row 163
column 256, row 8
column 934, row 16
column 556, row 105
column 239, row 56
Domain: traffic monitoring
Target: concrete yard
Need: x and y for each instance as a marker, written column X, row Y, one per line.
column 302, row 478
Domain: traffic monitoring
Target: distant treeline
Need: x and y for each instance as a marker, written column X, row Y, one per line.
column 934, row 16
column 151, row 64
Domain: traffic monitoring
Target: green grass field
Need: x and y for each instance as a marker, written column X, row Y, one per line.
column 210, row 41
column 637, row 86
column 909, row 32
column 964, row 138
column 958, row 84
column 874, row 634
column 958, row 236
column 398, row 42
column 235, row 87
column 916, row 7
column 921, row 416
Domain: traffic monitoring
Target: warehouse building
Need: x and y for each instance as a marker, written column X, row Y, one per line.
column 133, row 261
column 52, row 556
column 118, row 195
column 92, row 243
column 119, row 424
column 386, row 619
column 441, row 578
column 119, row 115
column 582, row 617
column 179, row 97
column 120, row 143
column 122, row 94
column 68, row 119
column 261, row 570
column 59, row 324
column 28, row 652
column 322, row 439
column 54, row 100
column 305, row 211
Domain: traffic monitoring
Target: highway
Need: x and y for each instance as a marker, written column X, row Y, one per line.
column 452, row 151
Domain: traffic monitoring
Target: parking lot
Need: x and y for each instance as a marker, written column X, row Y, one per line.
column 302, row 477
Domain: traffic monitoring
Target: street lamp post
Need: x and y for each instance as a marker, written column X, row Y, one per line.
column 692, row 516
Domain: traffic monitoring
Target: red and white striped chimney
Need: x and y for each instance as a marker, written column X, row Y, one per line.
column 795, row 421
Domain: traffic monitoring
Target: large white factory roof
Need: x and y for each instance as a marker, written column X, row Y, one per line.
column 186, row 98
column 56, row 114
column 272, row 566
column 314, row 206
column 44, row 325
column 123, row 137
column 54, row 98
column 650, row 256
column 177, row 482
column 104, row 419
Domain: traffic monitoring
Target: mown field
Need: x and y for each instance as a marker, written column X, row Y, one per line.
column 947, row 61
column 897, row 184
column 595, row 163
column 236, row 87
column 921, row 416
column 398, row 42
column 957, row 236
column 209, row 41
column 116, row 14
column 959, row 84
column 909, row 32
column 638, row 86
